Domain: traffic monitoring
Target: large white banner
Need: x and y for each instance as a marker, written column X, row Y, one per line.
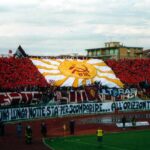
column 10, row 114
column 76, row 72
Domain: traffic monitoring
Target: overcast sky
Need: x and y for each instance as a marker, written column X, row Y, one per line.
column 53, row 27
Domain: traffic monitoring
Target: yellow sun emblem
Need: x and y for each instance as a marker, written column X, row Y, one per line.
column 75, row 73
column 77, row 69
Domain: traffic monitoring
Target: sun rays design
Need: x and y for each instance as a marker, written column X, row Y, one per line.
column 76, row 72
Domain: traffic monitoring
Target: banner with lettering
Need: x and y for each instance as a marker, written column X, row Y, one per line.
column 117, row 92
column 16, row 98
column 10, row 114
column 92, row 94
column 89, row 94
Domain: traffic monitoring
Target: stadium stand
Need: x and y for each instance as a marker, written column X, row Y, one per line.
column 19, row 73
column 133, row 71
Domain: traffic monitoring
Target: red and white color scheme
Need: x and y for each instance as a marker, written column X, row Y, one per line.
column 14, row 98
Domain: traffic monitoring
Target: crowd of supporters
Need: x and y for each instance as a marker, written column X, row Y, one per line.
column 20, row 74
column 131, row 71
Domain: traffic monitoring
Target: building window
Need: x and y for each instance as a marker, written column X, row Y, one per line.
column 98, row 53
column 107, row 52
column 116, row 51
column 90, row 53
column 94, row 53
column 128, row 50
column 111, row 51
